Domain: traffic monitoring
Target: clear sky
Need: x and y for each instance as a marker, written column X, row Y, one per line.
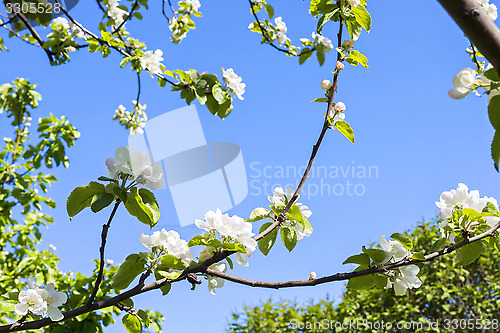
column 417, row 141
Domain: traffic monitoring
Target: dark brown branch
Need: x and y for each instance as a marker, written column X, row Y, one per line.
column 32, row 31
column 104, row 235
column 350, row 275
column 477, row 26
column 269, row 41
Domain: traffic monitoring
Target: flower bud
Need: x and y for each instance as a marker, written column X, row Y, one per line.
column 340, row 107
column 312, row 276
column 71, row 49
column 110, row 262
column 339, row 66
column 326, row 84
column 28, row 124
column 348, row 44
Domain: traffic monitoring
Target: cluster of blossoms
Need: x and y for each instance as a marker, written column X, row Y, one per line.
column 281, row 30
column 281, row 198
column 322, row 42
column 231, row 229
column 46, row 300
column 135, row 165
column 181, row 24
column 189, row 6
column 134, row 121
column 115, row 12
column 461, row 198
column 151, row 61
column 233, row 82
column 62, row 27
column 336, row 113
column 489, row 8
column 466, row 80
column 402, row 278
column 167, row 242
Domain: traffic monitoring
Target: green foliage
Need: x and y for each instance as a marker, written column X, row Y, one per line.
column 143, row 205
column 133, row 265
column 449, row 291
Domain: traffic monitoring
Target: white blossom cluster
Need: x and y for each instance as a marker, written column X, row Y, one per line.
column 281, row 29
column 466, row 80
column 167, row 242
column 115, row 12
column 337, row 113
column 62, row 25
column 462, row 198
column 136, row 165
column 192, row 5
column 281, row 198
column 231, row 229
column 322, row 42
column 134, row 121
column 233, row 81
column 402, row 278
column 151, row 61
column 489, row 8
column 46, row 300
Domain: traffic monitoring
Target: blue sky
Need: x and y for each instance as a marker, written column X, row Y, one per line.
column 418, row 140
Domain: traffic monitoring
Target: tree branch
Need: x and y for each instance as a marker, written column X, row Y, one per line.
column 477, row 26
column 104, row 235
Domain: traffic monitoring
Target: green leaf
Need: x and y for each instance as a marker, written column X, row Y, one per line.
column 170, row 261
column 237, row 247
column 289, row 237
column 495, row 149
column 364, row 282
column 218, row 93
column 295, row 214
column 360, row 259
column 144, row 318
column 142, row 204
column 362, row 17
column 321, row 57
column 380, row 281
column 322, row 100
column 438, row 245
column 8, row 306
column 403, row 239
column 201, row 239
column 304, row 55
column 81, row 197
column 494, row 111
column 101, row 201
column 258, row 214
column 355, row 57
column 128, row 271
column 132, row 323
column 354, row 28
column 345, row 129
column 418, row 256
column 467, row 254
column 270, row 10
column 376, row 255
column 491, row 209
column 267, row 242
column 492, row 74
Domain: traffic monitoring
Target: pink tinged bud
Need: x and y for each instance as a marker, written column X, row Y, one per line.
column 109, row 262
column 110, row 163
column 340, row 107
column 340, row 66
column 326, row 84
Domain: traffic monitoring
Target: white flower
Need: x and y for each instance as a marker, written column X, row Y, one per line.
column 216, row 282
column 340, row 116
column 138, row 166
column 29, row 300
column 463, row 82
column 52, row 247
column 116, row 13
column 230, row 228
column 340, row 66
column 462, row 197
column 234, row 82
column 195, row 4
column 407, row 280
column 490, row 9
column 393, row 250
column 325, row 41
column 280, row 25
column 354, row 3
column 326, row 84
column 61, row 21
column 152, row 61
column 53, row 299
column 282, row 38
column 169, row 242
column 339, row 107
column 110, row 262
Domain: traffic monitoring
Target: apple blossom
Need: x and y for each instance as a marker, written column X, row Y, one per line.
column 339, row 66
column 152, row 61
column 464, row 81
column 326, row 84
column 46, row 300
column 407, row 279
column 339, row 107
column 216, row 282
column 324, row 41
column 194, row 4
column 53, row 299
column 29, row 300
column 280, row 25
column 490, row 9
column 115, row 12
column 110, row 262
column 167, row 242
column 233, row 82
column 394, row 250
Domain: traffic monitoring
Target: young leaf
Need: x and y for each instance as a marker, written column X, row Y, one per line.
column 81, row 197
column 267, row 242
column 403, row 239
column 170, row 261
column 142, row 204
column 362, row 17
column 132, row 323
column 355, row 57
column 345, row 129
column 258, row 214
column 360, row 259
column 469, row 253
column 376, row 255
column 289, row 237
column 364, row 282
column 101, row 201
column 128, row 271
column 495, row 149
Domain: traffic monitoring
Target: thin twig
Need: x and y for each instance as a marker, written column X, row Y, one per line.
column 474, row 55
column 270, row 42
column 138, row 87
column 127, row 18
column 163, row 11
column 104, row 235
column 172, row 8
